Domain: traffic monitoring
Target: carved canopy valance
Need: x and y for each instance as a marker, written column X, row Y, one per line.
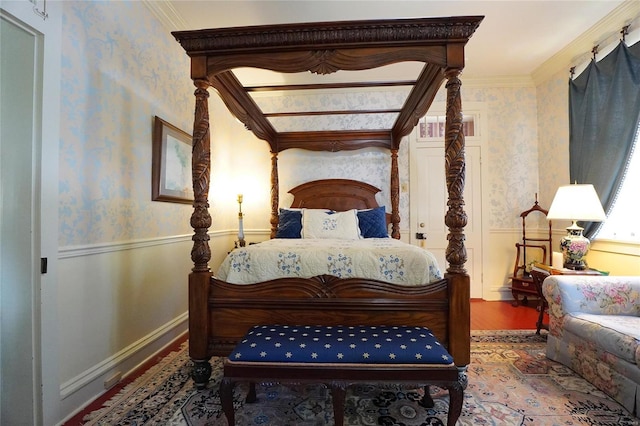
column 437, row 44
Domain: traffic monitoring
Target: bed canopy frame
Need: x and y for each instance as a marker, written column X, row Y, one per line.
column 437, row 44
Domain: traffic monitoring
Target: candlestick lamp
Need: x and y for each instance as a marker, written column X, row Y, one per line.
column 241, row 241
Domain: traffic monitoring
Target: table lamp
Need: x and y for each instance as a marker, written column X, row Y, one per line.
column 241, row 241
column 576, row 202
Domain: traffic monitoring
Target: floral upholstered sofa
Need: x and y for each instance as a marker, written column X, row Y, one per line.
column 594, row 328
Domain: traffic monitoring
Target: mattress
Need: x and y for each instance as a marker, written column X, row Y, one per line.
column 384, row 259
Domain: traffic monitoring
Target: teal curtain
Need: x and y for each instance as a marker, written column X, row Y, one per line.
column 604, row 110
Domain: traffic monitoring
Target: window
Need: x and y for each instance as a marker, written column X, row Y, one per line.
column 432, row 126
column 623, row 223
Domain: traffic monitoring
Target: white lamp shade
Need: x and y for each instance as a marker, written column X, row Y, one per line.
column 577, row 202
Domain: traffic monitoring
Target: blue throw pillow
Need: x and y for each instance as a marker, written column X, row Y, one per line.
column 373, row 223
column 289, row 224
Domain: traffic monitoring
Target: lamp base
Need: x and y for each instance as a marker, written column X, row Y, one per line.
column 574, row 248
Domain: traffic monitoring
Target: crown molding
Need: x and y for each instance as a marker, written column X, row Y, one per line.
column 581, row 47
column 164, row 11
column 604, row 29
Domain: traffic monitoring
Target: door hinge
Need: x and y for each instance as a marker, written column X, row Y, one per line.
column 43, row 265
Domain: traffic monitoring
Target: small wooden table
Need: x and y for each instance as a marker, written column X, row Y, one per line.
column 539, row 273
column 524, row 286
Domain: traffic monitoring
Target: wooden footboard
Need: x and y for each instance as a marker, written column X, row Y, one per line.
column 230, row 310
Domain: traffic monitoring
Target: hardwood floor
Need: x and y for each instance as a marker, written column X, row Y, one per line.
column 500, row 315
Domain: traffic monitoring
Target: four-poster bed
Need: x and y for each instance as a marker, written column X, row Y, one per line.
column 220, row 312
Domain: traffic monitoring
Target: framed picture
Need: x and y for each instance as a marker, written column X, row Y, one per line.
column 171, row 164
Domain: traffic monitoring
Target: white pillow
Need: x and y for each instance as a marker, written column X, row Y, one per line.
column 338, row 225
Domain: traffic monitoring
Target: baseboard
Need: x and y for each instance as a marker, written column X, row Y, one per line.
column 498, row 293
column 137, row 349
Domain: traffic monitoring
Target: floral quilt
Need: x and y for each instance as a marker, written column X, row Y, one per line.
column 384, row 259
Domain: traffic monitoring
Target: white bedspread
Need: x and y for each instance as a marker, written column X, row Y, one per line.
column 384, row 259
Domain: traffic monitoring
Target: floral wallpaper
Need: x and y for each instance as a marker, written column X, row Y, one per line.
column 511, row 149
column 344, row 101
column 370, row 165
column 120, row 67
column 553, row 128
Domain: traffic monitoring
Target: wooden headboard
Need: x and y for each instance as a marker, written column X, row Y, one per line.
column 335, row 194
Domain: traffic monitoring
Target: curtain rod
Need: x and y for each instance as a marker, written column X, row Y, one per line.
column 595, row 50
column 625, row 32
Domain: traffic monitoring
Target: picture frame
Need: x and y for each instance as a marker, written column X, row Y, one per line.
column 171, row 178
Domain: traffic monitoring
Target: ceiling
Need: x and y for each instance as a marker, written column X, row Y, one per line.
column 514, row 39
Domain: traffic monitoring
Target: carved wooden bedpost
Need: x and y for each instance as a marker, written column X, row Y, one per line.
column 395, row 196
column 275, row 195
column 199, row 278
column 456, row 220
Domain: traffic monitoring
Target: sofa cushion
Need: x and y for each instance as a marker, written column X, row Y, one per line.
column 616, row 334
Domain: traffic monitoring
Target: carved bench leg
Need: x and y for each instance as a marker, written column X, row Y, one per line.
column 226, row 400
column 463, row 379
column 338, row 392
column 456, row 395
column 426, row 400
column 251, row 395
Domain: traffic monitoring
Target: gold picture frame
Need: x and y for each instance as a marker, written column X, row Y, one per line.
column 171, row 178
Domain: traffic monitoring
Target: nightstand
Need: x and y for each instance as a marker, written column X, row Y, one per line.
column 538, row 273
column 522, row 285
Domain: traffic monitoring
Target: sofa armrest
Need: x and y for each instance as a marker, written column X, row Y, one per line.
column 607, row 295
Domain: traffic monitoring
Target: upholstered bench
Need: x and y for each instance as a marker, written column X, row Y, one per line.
column 338, row 357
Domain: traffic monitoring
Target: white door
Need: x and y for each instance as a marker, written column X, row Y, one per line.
column 18, row 248
column 429, row 206
column 30, row 135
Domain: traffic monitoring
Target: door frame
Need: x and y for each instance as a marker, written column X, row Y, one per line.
column 20, row 206
column 479, row 110
column 46, row 140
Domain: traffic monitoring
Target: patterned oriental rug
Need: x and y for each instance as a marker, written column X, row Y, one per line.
column 511, row 382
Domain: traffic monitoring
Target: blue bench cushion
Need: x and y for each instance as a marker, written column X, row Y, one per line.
column 341, row 345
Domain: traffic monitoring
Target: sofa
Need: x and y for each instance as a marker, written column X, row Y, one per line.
column 594, row 329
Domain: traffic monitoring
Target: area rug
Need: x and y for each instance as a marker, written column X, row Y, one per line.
column 511, row 382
